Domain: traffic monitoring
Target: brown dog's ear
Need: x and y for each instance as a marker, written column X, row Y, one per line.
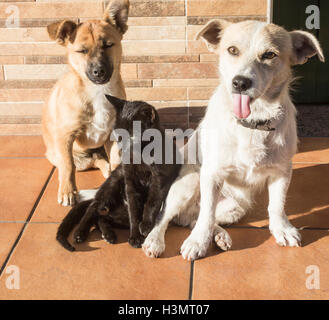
column 211, row 33
column 305, row 46
column 116, row 13
column 62, row 31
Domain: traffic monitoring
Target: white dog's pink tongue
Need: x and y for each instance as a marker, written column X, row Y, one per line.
column 241, row 105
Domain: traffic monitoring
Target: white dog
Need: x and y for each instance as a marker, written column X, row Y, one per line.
column 248, row 137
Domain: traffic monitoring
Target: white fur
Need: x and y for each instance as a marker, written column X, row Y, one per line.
column 236, row 161
column 103, row 119
column 84, row 195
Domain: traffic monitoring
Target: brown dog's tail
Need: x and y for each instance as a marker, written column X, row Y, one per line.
column 72, row 218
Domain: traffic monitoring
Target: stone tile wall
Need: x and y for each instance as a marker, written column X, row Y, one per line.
column 162, row 62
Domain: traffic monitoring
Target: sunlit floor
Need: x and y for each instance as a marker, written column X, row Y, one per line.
column 34, row 266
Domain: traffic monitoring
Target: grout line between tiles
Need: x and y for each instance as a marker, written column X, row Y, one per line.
column 190, row 293
column 32, row 222
column 312, row 228
column 27, row 220
column 12, row 221
column 44, row 222
column 22, row 157
column 309, row 162
column 267, row 228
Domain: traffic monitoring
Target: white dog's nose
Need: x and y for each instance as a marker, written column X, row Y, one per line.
column 241, row 84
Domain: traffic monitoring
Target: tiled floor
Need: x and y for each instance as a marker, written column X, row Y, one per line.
column 255, row 268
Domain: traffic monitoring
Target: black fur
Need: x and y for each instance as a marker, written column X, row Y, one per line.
column 133, row 195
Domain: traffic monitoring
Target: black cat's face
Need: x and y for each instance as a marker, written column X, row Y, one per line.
column 134, row 114
column 138, row 114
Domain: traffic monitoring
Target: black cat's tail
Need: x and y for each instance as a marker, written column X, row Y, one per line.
column 72, row 218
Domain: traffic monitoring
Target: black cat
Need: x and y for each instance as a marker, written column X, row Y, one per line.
column 134, row 194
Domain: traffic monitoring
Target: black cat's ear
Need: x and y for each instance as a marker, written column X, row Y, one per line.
column 155, row 116
column 116, row 102
column 151, row 113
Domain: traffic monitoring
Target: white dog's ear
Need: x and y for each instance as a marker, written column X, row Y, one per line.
column 305, row 46
column 116, row 13
column 211, row 33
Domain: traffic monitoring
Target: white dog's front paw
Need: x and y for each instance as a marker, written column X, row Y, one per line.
column 153, row 247
column 286, row 236
column 223, row 239
column 194, row 248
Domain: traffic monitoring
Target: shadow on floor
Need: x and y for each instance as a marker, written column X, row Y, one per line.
column 307, row 206
column 307, row 196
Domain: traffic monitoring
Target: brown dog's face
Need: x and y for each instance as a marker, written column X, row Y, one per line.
column 94, row 47
column 96, row 51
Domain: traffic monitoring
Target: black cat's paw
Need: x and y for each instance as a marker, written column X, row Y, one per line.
column 109, row 237
column 80, row 236
column 136, row 241
column 145, row 228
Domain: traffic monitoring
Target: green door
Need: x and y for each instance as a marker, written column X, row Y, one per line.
column 313, row 84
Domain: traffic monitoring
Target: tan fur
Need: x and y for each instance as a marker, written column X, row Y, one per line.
column 77, row 118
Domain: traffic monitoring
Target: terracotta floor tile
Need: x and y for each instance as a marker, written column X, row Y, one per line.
column 8, row 234
column 21, row 181
column 272, row 271
column 313, row 150
column 49, row 210
column 101, row 271
column 307, row 201
column 257, row 268
column 22, row 146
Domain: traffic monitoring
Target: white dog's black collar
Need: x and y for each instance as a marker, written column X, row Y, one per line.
column 264, row 125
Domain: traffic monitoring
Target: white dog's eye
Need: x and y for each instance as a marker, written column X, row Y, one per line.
column 268, row 55
column 234, row 51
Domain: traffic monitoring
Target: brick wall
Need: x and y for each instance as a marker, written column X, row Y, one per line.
column 162, row 63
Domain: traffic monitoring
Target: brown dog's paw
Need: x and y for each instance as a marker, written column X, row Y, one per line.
column 105, row 168
column 136, row 242
column 67, row 199
column 106, row 171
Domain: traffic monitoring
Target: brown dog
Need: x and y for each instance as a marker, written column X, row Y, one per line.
column 78, row 119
